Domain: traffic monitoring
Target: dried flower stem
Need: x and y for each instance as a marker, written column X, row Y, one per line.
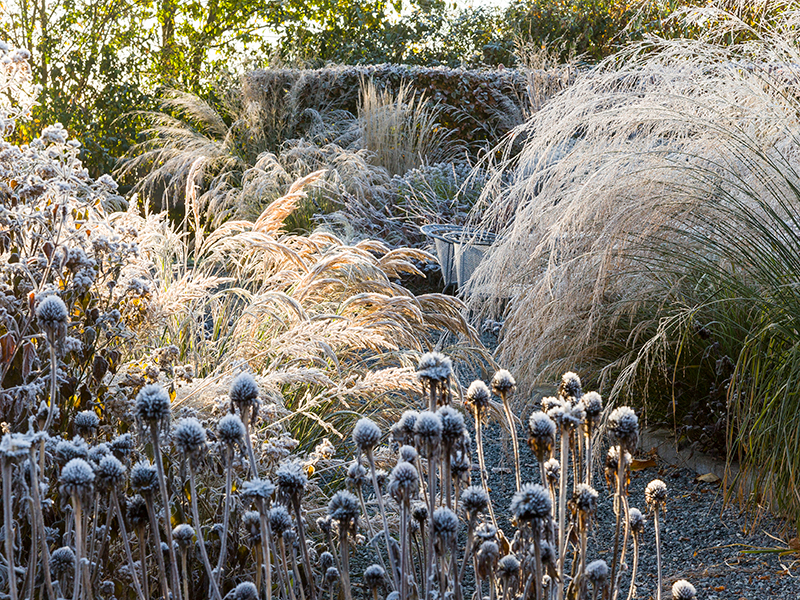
column 284, row 562
column 266, row 542
column 223, row 548
column 619, row 511
column 126, row 544
column 562, row 509
column 143, row 559
column 199, row 530
column 154, row 530
column 343, row 541
column 301, row 533
column 632, row 589
column 9, row 525
column 246, row 418
column 76, row 586
column 658, row 550
column 371, row 531
column 512, row 427
column 162, row 484
column 379, row 496
column 482, row 465
column 39, row 519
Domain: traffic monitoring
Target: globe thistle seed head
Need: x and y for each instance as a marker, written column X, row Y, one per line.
column 86, row 423
column 258, row 491
column 474, row 500
column 356, row 475
column 486, row 531
column 136, row 511
column 487, row 556
column 325, row 525
column 531, row 503
column 434, row 367
column 245, row 591
column 612, row 460
column 189, row 437
column 549, row 402
column 419, row 512
column 404, row 482
column 636, row 521
column 183, row 535
column 503, row 383
column 325, row 561
column 144, row 478
column 478, row 398
column 16, row 446
column 279, row 520
column 153, row 405
column 570, row 386
column 552, row 470
column 331, row 576
column 98, row 452
column 77, row 479
column 594, row 406
column 122, row 446
column 408, row 454
column 292, row 480
column 403, row 430
column 366, row 434
column 574, row 415
column 382, row 477
column 623, row 425
column 374, row 577
column 445, row 526
column 460, row 466
column 597, row 572
column 110, row 473
column 343, row 507
column 62, row 561
column 66, row 450
column 548, row 552
column 509, row 567
column 541, row 434
column 53, row 318
column 584, row 499
column 428, row 432
column 244, row 392
column 556, row 409
column 683, row 590
column 230, row 430
column 655, row 494
column 252, row 524
column 452, row 424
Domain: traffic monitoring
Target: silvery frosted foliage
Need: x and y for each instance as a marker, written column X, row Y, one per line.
column 683, row 590
column 17, row 90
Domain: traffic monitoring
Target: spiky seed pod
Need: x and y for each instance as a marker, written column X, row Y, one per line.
column 452, row 424
column 258, row 490
column 136, row 511
column 404, row 482
column 487, row 556
column 77, row 479
column 612, row 465
column 474, row 500
column 541, row 434
column 597, row 572
column 122, row 446
column 408, row 454
column 382, row 476
column 570, row 386
column 245, row 591
column 419, row 512
column 183, row 534
column 110, row 473
column 366, row 434
column 478, row 398
column 189, row 437
column 508, row 567
column 550, row 402
column 325, row 561
column 460, row 466
column 623, row 425
column 556, row 409
column 153, row 405
column 252, row 524
column 428, row 433
column 356, row 475
column 486, row 531
column 331, row 576
column 552, row 470
column 434, row 367
column 403, row 430
column 445, row 527
column 244, row 392
column 325, row 525
column 144, row 478
column 593, row 404
column 503, row 383
column 292, row 480
column 531, row 504
column 53, row 318
column 374, row 577
column 655, row 494
column 279, row 520
column 98, row 452
column 683, row 590
column 230, row 430
column 636, row 521
column 574, row 415
column 584, row 503
column 62, row 561
column 66, row 450
column 86, row 423
column 343, row 507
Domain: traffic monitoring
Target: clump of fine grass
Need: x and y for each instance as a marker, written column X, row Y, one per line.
column 648, row 228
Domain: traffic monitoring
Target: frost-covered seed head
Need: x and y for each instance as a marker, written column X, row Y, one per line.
column 403, row 430
column 77, row 479
column 612, row 460
column 548, row 552
column 189, row 437
column 252, row 524
column 122, row 446
column 279, row 520
column 541, row 434
column 136, row 512
column 16, row 446
column 655, row 494
column 292, row 480
column 597, row 572
column 230, row 430
column 419, row 512
column 408, row 454
column 96, row 453
column 452, row 424
column 503, row 383
column 245, row 591
column 153, row 404
column 325, row 561
column 325, row 525
column 531, row 503
column 86, row 422
column 636, row 521
column 366, row 434
column 110, row 473
column 488, row 554
column 478, row 397
column 144, row 478
column 552, row 470
column 509, row 566
column 62, row 561
column 683, row 590
column 574, row 415
column 570, row 386
column 445, row 526
column 428, row 432
column 343, row 507
column 434, row 367
column 593, row 403
column 356, row 475
column 474, row 500
column 183, row 534
column 623, row 425
column 66, row 450
column 331, row 576
column 404, row 482
column 53, row 318
column 244, row 391
column 258, row 490
column 374, row 577
column 584, row 499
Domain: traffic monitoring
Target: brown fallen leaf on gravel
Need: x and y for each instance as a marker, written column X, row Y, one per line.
column 709, row 478
column 639, row 464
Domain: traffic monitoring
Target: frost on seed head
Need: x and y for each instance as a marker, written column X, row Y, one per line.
column 189, row 437
column 230, row 430
column 404, row 482
column 144, row 478
column 452, row 424
column 15, row 446
column 77, row 479
column 584, row 499
column 478, row 397
column 110, row 472
column 509, row 566
column 374, row 577
column 366, row 434
column 153, row 404
column 183, row 534
column 86, row 422
column 623, row 425
column 593, row 403
column 62, row 561
column 408, row 454
column 245, row 591
column 428, row 432
column 331, row 576
column 53, row 318
column 552, row 470
column 474, row 500
column 292, row 480
column 655, row 494
column 434, row 367
column 636, row 521
column 258, row 490
column 403, row 430
column 122, row 446
column 531, row 503
column 244, row 391
column 597, row 571
column 136, row 511
column 570, row 386
column 503, row 383
column 683, row 590
column 445, row 526
column 343, row 507
column 279, row 520
column 541, row 434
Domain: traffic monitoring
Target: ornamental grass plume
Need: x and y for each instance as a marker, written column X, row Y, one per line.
column 503, row 384
column 655, row 495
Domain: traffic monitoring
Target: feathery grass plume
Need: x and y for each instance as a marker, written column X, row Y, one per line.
column 683, row 590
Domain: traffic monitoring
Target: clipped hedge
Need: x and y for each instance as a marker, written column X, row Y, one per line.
column 480, row 105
